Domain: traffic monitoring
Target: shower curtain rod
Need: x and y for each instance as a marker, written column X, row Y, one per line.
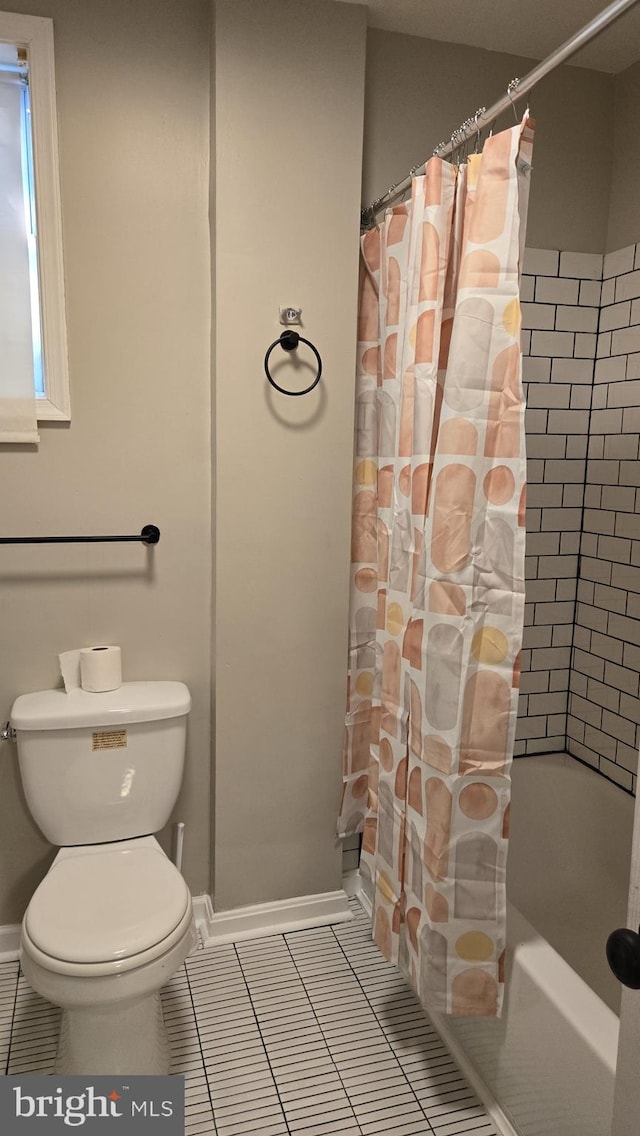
column 516, row 89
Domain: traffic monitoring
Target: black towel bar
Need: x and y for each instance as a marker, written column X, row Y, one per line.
column 150, row 535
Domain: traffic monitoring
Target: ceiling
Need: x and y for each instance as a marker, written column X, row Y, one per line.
column 533, row 28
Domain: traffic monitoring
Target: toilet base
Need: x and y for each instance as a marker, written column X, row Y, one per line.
column 127, row 1038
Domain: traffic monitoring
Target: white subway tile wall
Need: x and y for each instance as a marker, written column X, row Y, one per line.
column 561, row 309
column 350, row 853
column 581, row 653
column 603, row 724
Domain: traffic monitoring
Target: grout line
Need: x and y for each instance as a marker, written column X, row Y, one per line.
column 630, row 792
column 582, row 516
column 319, row 1024
column 202, row 1057
column 264, row 1045
column 391, row 1049
column 13, row 1020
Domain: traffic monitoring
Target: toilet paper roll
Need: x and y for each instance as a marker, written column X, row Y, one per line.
column 100, row 669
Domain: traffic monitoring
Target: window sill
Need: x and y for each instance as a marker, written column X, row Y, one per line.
column 48, row 411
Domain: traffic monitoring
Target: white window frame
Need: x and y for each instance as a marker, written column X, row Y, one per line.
column 36, row 34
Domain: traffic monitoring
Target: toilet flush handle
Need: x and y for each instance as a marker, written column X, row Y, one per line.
column 8, row 734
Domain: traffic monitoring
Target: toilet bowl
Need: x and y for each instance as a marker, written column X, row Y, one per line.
column 106, row 928
column 112, row 920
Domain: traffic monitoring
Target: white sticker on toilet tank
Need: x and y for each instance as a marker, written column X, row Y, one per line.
column 109, row 739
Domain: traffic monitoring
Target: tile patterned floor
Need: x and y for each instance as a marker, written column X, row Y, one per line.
column 305, row 1034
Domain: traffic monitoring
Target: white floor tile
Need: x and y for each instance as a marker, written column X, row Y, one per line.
column 8, row 991
column 305, row 1034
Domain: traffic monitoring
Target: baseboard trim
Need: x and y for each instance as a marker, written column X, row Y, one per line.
column 353, row 884
column 202, row 914
column 254, row 922
column 10, row 942
column 261, row 919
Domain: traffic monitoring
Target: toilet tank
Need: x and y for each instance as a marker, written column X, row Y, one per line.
column 102, row 767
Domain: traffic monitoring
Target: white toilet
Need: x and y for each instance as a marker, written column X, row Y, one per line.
column 112, row 920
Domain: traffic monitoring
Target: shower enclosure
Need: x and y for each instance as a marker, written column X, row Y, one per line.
column 551, row 1060
column 559, row 1056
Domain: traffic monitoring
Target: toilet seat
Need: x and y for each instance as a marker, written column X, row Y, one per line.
column 107, row 908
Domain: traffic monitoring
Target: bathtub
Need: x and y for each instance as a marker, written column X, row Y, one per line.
column 549, row 1062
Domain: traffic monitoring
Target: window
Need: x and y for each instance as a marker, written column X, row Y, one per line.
column 27, row 104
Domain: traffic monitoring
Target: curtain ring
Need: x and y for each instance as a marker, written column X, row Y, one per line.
column 463, row 142
column 480, row 111
column 467, row 127
column 455, row 144
column 513, row 86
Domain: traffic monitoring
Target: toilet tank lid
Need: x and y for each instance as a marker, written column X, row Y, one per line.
column 131, row 702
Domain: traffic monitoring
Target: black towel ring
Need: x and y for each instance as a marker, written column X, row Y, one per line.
column 288, row 341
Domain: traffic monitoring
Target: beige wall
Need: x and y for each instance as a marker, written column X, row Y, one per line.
column 289, row 107
column 418, row 91
column 133, row 89
column 624, row 209
column 287, row 110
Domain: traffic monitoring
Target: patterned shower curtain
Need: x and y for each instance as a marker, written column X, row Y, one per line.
column 437, row 574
